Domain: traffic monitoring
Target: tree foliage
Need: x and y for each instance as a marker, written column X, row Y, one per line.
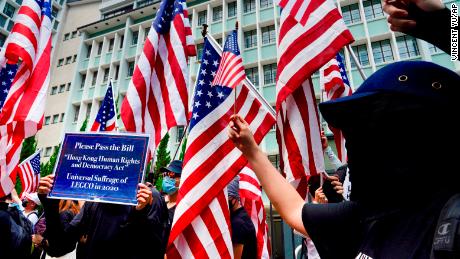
column 163, row 159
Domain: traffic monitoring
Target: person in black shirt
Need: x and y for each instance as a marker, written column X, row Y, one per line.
column 243, row 231
column 170, row 186
column 109, row 230
column 399, row 162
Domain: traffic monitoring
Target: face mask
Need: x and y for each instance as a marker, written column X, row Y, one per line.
column 169, row 185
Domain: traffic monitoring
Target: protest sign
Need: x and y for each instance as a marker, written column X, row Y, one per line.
column 102, row 167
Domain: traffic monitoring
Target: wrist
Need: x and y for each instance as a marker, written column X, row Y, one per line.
column 252, row 153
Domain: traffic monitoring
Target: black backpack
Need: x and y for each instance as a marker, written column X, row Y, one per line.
column 446, row 240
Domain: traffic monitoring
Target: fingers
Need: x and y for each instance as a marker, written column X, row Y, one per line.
column 400, row 24
column 45, row 185
column 395, row 10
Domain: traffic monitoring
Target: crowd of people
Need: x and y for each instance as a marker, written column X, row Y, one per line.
column 404, row 189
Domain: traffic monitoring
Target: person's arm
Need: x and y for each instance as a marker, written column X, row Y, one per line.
column 284, row 197
column 237, row 251
column 428, row 20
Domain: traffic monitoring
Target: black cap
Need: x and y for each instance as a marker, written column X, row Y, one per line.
column 175, row 166
column 417, row 80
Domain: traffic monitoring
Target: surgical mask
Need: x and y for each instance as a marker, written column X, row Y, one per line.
column 169, row 185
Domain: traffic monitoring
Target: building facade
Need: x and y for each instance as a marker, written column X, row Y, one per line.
column 9, row 9
column 110, row 48
column 63, row 66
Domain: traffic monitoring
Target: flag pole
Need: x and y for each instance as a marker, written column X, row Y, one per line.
column 236, row 87
column 114, row 106
column 358, row 65
column 181, row 139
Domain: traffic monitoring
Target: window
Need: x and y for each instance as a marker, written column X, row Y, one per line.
column 253, row 75
column 66, row 36
column 62, row 117
column 76, row 110
column 231, row 9
column 351, row 14
column 249, row 6
column 68, row 60
column 2, row 37
column 372, row 9
column 47, row 120
column 382, row 51
column 269, row 74
column 47, row 151
column 219, row 41
column 202, row 17
column 433, row 49
column 54, row 90
column 54, row 12
column 55, row 118
column 266, row 3
column 60, row 62
column 361, row 53
column 88, row 109
column 111, row 42
column 83, row 79
column 9, row 10
column 250, row 39
column 268, row 34
column 275, row 160
column 217, row 13
column 199, row 50
column 74, row 34
column 134, row 38
column 74, row 58
column 407, row 46
column 68, row 86
column 88, row 52
column 115, row 76
column 93, row 81
column 62, row 88
column 99, row 48
column 179, row 133
column 146, row 33
column 106, row 75
column 122, row 38
column 130, row 68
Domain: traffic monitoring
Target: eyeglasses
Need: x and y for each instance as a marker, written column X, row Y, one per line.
column 170, row 174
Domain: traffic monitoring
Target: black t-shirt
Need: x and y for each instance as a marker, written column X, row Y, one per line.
column 347, row 230
column 243, row 232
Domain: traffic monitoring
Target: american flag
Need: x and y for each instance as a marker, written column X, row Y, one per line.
column 23, row 108
column 335, row 83
column 231, row 71
column 251, row 198
column 201, row 222
column 157, row 96
column 29, row 173
column 311, row 33
column 7, row 75
column 106, row 117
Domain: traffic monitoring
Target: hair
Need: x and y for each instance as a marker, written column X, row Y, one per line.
column 69, row 205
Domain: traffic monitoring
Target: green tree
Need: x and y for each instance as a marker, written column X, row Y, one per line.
column 182, row 151
column 48, row 167
column 28, row 148
column 163, row 159
column 84, row 125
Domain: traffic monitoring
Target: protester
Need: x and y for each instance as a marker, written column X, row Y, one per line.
column 68, row 209
column 243, row 232
column 110, row 230
column 30, row 204
column 170, row 186
column 429, row 20
column 15, row 229
column 402, row 106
